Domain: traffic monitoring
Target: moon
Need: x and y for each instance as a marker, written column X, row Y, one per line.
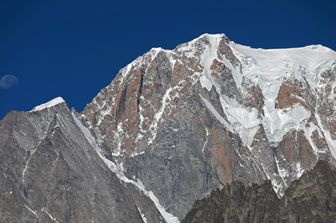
column 8, row 81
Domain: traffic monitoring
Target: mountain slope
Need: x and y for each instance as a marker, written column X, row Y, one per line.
column 50, row 173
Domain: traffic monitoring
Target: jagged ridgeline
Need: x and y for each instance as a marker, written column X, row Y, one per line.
column 312, row 198
column 173, row 126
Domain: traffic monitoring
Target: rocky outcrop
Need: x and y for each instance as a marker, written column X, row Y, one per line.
column 290, row 93
column 312, row 198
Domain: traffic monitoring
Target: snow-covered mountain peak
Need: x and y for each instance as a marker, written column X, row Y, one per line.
column 210, row 37
column 51, row 103
column 269, row 101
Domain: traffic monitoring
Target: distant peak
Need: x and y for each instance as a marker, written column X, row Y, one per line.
column 210, row 37
column 218, row 35
column 49, row 104
column 159, row 49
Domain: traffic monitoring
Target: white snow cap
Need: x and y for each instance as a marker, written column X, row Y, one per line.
column 49, row 104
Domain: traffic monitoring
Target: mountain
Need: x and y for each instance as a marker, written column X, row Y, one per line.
column 173, row 126
column 312, row 198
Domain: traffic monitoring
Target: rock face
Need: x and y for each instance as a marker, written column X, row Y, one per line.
column 189, row 120
column 50, row 172
column 172, row 126
column 312, row 198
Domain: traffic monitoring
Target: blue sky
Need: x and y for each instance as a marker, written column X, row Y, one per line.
column 73, row 49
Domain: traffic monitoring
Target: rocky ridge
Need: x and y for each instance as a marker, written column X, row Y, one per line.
column 312, row 198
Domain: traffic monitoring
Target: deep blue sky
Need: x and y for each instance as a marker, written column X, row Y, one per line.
column 73, row 49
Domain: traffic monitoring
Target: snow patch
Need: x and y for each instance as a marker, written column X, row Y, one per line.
column 299, row 169
column 28, row 161
column 215, row 113
column 142, row 216
column 118, row 136
column 278, row 122
column 243, row 119
column 283, row 172
column 205, row 83
column 29, row 209
column 49, row 215
column 206, row 138
column 308, row 132
column 141, row 122
column 49, row 104
column 165, row 100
